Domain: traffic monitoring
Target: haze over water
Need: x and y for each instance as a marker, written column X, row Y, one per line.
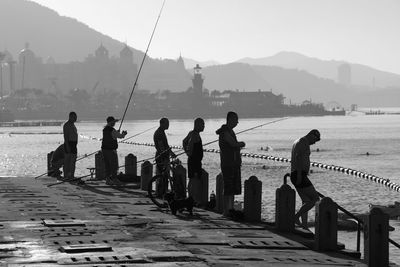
column 345, row 142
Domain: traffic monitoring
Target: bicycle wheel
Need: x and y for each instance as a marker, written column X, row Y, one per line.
column 156, row 190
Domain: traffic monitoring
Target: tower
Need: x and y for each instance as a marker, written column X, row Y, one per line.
column 197, row 81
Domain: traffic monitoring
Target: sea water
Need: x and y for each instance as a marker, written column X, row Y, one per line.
column 370, row 144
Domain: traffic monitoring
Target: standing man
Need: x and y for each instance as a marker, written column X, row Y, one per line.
column 70, row 145
column 163, row 150
column 193, row 147
column 109, row 146
column 230, row 161
column 163, row 153
column 300, row 167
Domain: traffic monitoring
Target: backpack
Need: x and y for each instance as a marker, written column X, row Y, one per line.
column 185, row 144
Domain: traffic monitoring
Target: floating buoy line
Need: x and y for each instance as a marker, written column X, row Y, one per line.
column 366, row 176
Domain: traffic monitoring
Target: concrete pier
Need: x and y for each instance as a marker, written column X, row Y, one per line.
column 99, row 225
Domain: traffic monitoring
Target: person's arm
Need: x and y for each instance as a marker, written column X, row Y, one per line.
column 116, row 134
column 299, row 161
column 232, row 142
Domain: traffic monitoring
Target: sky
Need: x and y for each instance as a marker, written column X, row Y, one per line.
column 356, row 31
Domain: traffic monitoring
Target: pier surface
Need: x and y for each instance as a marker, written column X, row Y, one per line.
column 99, row 225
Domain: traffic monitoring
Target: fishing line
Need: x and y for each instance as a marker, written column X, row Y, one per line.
column 141, row 66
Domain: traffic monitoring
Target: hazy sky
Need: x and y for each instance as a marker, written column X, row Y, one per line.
column 357, row 31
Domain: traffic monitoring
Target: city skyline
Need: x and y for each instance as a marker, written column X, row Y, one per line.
column 354, row 31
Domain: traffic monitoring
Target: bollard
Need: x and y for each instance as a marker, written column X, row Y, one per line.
column 285, row 206
column 220, row 193
column 252, row 199
column 376, row 238
column 130, row 167
column 146, row 174
column 49, row 170
column 326, row 225
column 204, row 188
column 180, row 181
column 99, row 166
column 198, row 189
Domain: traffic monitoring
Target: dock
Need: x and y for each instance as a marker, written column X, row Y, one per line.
column 98, row 225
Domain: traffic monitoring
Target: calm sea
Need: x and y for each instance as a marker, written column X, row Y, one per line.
column 346, row 140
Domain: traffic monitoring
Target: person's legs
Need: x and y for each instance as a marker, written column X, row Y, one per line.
column 229, row 189
column 228, row 204
column 67, row 165
column 73, row 164
column 107, row 164
column 114, row 166
column 309, row 197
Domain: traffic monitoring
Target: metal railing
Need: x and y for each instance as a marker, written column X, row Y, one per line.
column 360, row 223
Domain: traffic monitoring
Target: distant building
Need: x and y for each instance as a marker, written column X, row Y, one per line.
column 96, row 71
column 344, row 74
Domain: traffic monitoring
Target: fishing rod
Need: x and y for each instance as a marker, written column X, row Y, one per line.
column 68, row 180
column 124, row 140
column 141, row 66
column 206, row 144
column 99, row 139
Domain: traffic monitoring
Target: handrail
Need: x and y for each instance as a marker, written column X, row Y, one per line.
column 351, row 215
column 359, row 223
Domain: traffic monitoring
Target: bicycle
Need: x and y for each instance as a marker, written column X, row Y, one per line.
column 163, row 187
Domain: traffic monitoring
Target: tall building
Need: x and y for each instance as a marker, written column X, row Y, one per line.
column 344, row 74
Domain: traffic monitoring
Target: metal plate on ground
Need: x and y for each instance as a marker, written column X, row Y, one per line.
column 66, row 232
column 82, row 248
column 112, row 259
column 267, row 244
column 310, row 261
column 63, row 223
column 230, row 226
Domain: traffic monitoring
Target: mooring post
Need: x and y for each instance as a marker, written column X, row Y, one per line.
column 252, row 199
column 376, row 238
column 146, row 174
column 130, row 166
column 204, row 188
column 285, row 205
column 326, row 216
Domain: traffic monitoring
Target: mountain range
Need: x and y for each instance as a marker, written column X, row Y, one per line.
column 296, row 76
column 360, row 74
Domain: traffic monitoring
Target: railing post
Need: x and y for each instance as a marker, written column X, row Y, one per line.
column 146, row 174
column 252, row 199
column 326, row 225
column 99, row 166
column 285, row 205
column 130, row 166
column 220, row 193
column 198, row 188
column 376, row 238
column 180, row 176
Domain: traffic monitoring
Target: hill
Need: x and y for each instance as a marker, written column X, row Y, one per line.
column 66, row 40
column 361, row 74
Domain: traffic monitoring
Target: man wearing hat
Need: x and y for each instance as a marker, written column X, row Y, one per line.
column 300, row 167
column 109, row 146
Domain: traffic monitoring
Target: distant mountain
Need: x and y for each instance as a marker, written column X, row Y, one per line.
column 295, row 85
column 361, row 74
column 66, row 39
column 191, row 63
